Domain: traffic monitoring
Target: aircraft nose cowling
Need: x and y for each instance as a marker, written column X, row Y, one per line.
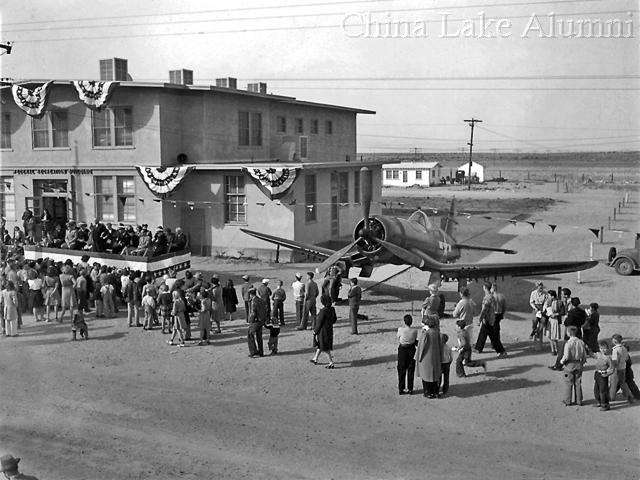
column 376, row 231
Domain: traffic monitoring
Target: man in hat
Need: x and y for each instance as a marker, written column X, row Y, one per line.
column 160, row 242
column 311, row 293
column 537, row 300
column 354, row 295
column 180, row 240
column 264, row 292
column 246, row 286
column 298, row 296
column 257, row 318
column 9, row 466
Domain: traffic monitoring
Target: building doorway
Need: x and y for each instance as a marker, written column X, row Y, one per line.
column 54, row 196
column 335, row 213
column 193, row 226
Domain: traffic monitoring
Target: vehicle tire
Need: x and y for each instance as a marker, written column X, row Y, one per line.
column 624, row 266
column 612, row 254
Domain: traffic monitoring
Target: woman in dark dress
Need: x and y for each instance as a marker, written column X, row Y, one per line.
column 229, row 298
column 323, row 330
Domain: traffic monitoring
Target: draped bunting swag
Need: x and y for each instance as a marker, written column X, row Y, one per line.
column 553, row 227
column 163, row 181
column 274, row 182
column 95, row 94
column 32, row 102
column 595, row 231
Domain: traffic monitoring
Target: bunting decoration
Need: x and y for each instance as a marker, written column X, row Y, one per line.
column 274, row 182
column 533, row 224
column 595, row 231
column 32, row 102
column 163, row 181
column 95, row 94
column 553, row 227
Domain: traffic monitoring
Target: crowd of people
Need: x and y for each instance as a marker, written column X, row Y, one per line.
column 572, row 332
column 95, row 237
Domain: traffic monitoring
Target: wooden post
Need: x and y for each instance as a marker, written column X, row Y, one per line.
column 601, row 240
column 591, row 248
column 277, row 253
column 611, row 177
column 614, row 214
column 557, row 187
column 609, row 224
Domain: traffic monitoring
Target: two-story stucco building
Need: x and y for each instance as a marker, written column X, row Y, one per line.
column 80, row 162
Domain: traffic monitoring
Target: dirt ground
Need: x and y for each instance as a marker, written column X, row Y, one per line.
column 126, row 405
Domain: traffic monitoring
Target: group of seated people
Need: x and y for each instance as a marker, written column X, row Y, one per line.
column 100, row 237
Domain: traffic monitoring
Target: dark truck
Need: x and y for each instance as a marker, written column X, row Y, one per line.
column 626, row 261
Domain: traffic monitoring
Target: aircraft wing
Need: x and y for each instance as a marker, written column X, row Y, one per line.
column 292, row 244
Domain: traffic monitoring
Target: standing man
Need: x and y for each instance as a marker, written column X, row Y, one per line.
column 573, row 358
column 537, row 299
column 257, row 318
column 354, row 295
column 464, row 310
column 278, row 297
column 264, row 292
column 310, row 294
column 487, row 322
column 246, row 286
column 298, row 295
column 500, row 308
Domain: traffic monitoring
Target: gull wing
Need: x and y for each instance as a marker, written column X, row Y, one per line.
column 292, row 244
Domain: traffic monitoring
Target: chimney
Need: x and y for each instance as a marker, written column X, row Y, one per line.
column 228, row 82
column 181, row 77
column 114, row 69
column 260, row 87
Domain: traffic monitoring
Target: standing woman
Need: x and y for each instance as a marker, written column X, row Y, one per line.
column 179, row 324
column 204, row 320
column 52, row 291
column 10, row 301
column 323, row 330
column 36, row 298
column 217, row 305
column 229, row 298
column 67, row 292
column 554, row 311
column 429, row 357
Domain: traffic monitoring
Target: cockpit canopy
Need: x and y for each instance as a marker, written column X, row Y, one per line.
column 421, row 220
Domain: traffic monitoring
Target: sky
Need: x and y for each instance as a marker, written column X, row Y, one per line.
column 423, row 66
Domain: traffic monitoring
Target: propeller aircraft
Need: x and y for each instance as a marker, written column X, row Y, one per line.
column 416, row 242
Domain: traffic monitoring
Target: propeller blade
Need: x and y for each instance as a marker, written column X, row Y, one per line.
column 336, row 256
column 408, row 257
column 367, row 194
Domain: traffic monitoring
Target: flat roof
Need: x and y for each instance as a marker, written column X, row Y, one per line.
column 411, row 165
column 213, row 88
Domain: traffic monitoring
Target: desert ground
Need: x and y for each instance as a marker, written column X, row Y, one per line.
column 124, row 404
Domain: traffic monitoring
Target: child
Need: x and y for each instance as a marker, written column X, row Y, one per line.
column 407, row 340
column 619, row 357
column 446, row 364
column 165, row 303
column 274, row 331
column 278, row 297
column 149, row 306
column 179, row 323
column 80, row 325
column 604, row 369
column 464, row 347
column 204, row 322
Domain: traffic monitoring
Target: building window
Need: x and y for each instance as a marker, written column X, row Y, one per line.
column 249, row 129
column 5, row 131
column 310, row 198
column 405, row 176
column 328, row 127
column 418, row 174
column 126, row 187
column 343, row 187
column 356, row 186
column 113, row 127
column 105, row 201
column 299, row 125
column 387, row 174
column 7, row 199
column 52, row 130
column 395, row 174
column 315, row 128
column 304, row 143
column 282, row 124
column 235, row 199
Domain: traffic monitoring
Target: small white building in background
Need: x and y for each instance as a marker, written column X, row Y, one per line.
column 477, row 170
column 408, row 174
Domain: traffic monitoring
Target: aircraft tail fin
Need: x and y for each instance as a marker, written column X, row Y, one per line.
column 449, row 222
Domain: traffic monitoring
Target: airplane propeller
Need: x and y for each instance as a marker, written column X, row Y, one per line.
column 365, row 232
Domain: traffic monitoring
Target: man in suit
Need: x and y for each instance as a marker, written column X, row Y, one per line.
column 311, row 292
column 257, row 318
column 354, row 296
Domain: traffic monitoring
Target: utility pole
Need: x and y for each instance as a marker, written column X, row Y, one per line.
column 472, row 124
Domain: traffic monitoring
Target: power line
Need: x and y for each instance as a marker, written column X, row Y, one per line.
column 271, row 7
column 279, row 28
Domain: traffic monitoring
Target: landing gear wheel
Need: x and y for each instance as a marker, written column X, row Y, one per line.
column 624, row 267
